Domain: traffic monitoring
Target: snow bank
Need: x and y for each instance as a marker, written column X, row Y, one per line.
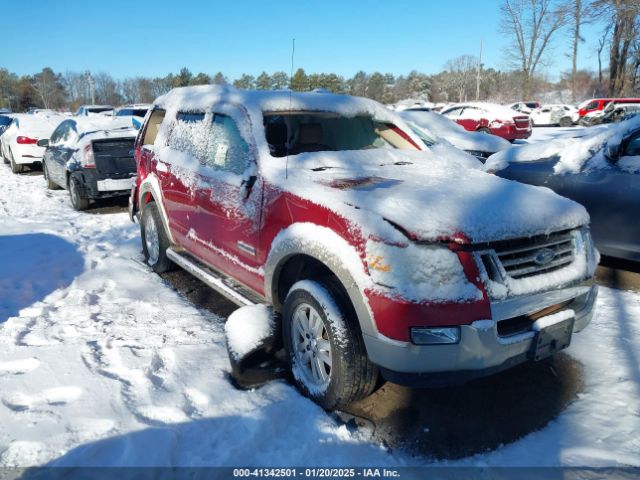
column 248, row 327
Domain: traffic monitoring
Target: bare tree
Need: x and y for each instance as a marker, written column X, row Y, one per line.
column 579, row 13
column 462, row 71
column 530, row 25
column 624, row 17
column 602, row 42
column 49, row 88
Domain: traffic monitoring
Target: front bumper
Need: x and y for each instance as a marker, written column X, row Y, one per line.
column 482, row 350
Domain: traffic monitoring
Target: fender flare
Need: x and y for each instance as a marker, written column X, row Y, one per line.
column 330, row 249
column 151, row 185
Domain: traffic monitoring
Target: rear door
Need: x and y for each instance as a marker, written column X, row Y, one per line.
column 228, row 200
column 61, row 148
column 177, row 168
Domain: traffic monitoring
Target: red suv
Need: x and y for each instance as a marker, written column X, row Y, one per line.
column 491, row 118
column 378, row 257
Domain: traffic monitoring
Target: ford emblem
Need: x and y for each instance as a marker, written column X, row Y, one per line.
column 544, row 256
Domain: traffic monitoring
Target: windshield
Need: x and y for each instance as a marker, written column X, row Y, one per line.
column 134, row 112
column 99, row 109
column 291, row 133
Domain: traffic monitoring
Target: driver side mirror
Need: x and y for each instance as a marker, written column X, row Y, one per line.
column 43, row 142
column 612, row 153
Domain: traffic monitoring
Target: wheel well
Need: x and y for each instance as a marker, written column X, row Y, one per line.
column 146, row 198
column 303, row 267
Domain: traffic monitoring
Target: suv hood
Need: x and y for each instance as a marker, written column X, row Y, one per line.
column 433, row 199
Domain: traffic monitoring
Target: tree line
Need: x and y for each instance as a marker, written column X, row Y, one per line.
column 535, row 29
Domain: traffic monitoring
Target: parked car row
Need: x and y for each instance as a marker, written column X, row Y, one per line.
column 89, row 154
column 382, row 243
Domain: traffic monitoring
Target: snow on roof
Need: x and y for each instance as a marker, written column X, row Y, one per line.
column 494, row 109
column 204, row 97
column 85, row 125
column 574, row 154
column 38, row 124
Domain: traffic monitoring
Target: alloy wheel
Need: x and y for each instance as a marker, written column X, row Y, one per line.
column 311, row 346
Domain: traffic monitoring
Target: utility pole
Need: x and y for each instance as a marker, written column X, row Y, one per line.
column 91, row 83
column 478, row 74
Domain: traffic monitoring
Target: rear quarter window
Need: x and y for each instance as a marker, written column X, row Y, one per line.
column 153, row 125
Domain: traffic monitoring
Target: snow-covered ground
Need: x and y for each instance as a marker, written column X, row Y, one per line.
column 103, row 363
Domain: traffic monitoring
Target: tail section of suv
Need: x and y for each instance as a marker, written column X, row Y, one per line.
column 379, row 257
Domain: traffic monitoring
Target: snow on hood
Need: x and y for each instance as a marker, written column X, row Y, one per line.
column 574, row 154
column 437, row 125
column 431, row 198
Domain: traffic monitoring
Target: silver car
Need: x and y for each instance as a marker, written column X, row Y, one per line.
column 601, row 170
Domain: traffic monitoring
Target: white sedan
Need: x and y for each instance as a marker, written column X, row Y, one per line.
column 555, row 115
column 20, row 139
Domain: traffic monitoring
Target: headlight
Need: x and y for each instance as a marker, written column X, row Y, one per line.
column 584, row 242
column 420, row 272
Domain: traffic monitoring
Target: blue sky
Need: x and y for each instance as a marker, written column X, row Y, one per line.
column 154, row 37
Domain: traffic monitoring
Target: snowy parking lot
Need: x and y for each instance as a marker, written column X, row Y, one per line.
column 101, row 357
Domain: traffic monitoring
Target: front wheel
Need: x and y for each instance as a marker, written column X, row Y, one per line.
column 326, row 351
column 484, row 130
column 155, row 240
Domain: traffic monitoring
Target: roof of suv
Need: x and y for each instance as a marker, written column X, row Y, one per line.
column 204, row 97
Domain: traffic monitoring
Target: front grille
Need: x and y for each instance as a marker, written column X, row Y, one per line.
column 534, row 256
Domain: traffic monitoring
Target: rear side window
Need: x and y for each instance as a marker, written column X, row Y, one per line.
column 227, row 149
column 190, row 134
column 65, row 134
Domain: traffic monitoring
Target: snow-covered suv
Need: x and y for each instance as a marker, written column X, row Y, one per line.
column 379, row 257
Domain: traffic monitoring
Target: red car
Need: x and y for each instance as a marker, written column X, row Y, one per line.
column 491, row 118
column 597, row 104
column 378, row 258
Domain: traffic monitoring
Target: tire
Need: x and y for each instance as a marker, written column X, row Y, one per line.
column 51, row 185
column 78, row 202
column 342, row 373
column 15, row 167
column 484, row 130
column 155, row 240
column 566, row 122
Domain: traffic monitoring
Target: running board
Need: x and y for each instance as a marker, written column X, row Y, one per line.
column 225, row 286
